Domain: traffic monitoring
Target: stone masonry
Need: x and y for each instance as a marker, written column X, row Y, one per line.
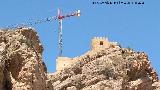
column 106, row 66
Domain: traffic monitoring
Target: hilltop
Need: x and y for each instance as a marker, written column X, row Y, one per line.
column 106, row 66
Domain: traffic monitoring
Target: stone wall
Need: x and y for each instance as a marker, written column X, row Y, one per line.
column 99, row 43
column 63, row 62
column 108, row 67
column 96, row 44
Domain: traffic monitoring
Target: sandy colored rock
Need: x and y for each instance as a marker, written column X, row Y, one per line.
column 106, row 66
column 21, row 51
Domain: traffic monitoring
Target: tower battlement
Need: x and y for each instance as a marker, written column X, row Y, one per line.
column 99, row 42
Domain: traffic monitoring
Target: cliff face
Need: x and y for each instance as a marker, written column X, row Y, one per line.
column 20, row 60
column 108, row 68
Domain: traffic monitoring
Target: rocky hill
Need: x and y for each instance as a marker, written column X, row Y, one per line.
column 112, row 68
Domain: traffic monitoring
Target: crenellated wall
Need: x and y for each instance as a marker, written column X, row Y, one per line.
column 99, row 43
column 96, row 44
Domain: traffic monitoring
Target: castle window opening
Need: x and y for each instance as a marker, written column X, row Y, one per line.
column 101, row 42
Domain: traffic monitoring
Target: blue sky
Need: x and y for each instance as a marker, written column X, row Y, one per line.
column 136, row 26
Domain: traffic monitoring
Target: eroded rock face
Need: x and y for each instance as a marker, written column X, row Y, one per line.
column 110, row 68
column 20, row 61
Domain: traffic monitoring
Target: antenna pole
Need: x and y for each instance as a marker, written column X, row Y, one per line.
column 60, row 37
column 60, row 18
column 60, row 32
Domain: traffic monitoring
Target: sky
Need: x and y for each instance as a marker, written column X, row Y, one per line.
column 135, row 26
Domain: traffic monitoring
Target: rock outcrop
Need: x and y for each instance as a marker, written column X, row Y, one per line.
column 106, row 68
column 20, row 60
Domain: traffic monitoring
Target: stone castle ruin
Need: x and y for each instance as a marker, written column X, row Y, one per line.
column 97, row 43
column 106, row 66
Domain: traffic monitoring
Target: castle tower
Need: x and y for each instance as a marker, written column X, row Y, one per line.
column 99, row 42
column 96, row 44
